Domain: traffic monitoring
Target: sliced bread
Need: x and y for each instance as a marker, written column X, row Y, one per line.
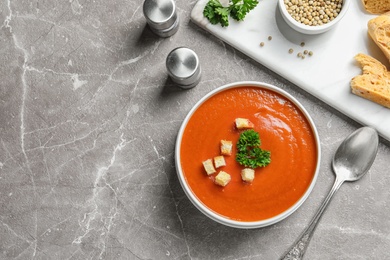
column 374, row 83
column 379, row 30
column 376, row 6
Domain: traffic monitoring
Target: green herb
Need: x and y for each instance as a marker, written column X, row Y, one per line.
column 249, row 153
column 240, row 8
column 216, row 13
column 237, row 9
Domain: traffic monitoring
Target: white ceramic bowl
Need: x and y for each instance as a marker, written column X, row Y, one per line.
column 307, row 29
column 214, row 215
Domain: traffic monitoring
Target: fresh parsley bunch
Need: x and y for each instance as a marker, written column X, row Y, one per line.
column 216, row 13
column 249, row 153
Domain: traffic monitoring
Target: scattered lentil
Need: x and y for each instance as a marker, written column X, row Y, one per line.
column 261, row 44
column 310, row 53
column 305, row 52
column 299, row 54
column 290, row 51
column 313, row 12
column 269, row 38
column 302, row 44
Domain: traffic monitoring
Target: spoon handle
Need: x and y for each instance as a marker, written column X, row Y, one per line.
column 298, row 249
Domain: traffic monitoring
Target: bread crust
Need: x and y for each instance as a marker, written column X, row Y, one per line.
column 374, row 83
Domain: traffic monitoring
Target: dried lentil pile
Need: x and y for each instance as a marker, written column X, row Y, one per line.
column 313, row 12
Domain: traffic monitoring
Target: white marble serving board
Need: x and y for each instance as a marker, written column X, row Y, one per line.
column 326, row 74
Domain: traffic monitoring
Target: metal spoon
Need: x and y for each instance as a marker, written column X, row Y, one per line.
column 351, row 161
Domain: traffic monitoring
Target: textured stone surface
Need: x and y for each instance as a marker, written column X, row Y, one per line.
column 88, row 126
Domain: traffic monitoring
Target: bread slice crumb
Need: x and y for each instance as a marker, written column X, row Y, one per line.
column 374, row 83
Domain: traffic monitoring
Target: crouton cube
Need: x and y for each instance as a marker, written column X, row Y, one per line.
column 226, row 147
column 209, row 167
column 247, row 174
column 219, row 161
column 243, row 123
column 222, row 178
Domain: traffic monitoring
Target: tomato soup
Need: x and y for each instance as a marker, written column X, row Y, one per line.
column 284, row 131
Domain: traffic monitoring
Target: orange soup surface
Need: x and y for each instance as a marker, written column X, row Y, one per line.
column 283, row 130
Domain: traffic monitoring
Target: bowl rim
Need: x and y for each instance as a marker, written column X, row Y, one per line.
column 307, row 29
column 210, row 213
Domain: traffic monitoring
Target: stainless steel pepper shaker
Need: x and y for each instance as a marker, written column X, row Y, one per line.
column 183, row 67
column 161, row 17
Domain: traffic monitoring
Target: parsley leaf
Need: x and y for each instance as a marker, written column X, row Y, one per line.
column 237, row 9
column 216, row 13
column 249, row 153
column 240, row 8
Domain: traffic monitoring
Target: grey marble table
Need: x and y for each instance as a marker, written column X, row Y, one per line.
column 89, row 119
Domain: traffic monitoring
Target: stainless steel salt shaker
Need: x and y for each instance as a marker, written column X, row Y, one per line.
column 161, row 17
column 183, row 67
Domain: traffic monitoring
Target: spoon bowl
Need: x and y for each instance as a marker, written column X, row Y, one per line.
column 356, row 154
column 352, row 160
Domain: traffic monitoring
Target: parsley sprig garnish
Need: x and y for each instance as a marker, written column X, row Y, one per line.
column 249, row 153
column 237, row 9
